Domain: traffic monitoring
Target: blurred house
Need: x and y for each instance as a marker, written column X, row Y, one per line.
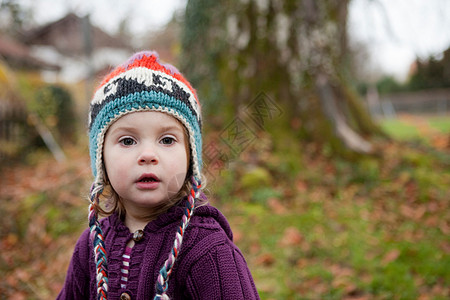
column 81, row 49
column 69, row 51
column 15, row 56
column 18, row 56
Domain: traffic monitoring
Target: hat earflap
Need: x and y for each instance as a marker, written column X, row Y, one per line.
column 99, row 244
column 163, row 277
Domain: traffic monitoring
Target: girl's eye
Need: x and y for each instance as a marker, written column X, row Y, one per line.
column 167, row 140
column 127, row 141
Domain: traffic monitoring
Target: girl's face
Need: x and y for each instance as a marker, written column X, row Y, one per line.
column 146, row 159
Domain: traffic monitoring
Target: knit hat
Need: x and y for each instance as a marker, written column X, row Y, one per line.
column 142, row 83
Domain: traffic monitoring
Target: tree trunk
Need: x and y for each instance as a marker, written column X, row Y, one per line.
column 294, row 51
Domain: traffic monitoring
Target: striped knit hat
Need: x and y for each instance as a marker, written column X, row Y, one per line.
column 142, row 83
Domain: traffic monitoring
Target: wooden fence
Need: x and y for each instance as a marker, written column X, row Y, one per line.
column 435, row 101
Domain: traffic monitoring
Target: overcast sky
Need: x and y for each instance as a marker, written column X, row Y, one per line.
column 396, row 31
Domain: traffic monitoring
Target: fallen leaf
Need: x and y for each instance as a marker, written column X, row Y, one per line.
column 301, row 186
column 445, row 227
column 407, row 211
column 340, row 271
column 291, row 237
column 413, row 212
column 266, row 259
column 237, row 235
column 276, row 206
column 344, row 283
column 362, row 297
column 255, row 247
column 432, row 221
column 302, row 262
column 22, row 275
column 445, row 246
column 390, row 256
column 10, row 241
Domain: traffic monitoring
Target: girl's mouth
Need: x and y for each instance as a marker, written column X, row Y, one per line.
column 148, row 178
column 148, row 182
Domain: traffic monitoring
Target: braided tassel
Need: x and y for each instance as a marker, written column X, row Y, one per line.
column 99, row 244
column 163, row 277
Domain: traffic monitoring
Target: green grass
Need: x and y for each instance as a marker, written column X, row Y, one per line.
column 403, row 130
column 399, row 129
column 441, row 123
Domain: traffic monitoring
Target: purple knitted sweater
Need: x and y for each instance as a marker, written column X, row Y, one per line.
column 209, row 265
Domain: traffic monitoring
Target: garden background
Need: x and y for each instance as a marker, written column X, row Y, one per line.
column 317, row 212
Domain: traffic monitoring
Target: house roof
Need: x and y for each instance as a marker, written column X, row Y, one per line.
column 17, row 55
column 70, row 37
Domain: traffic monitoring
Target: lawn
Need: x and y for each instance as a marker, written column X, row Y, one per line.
column 440, row 123
column 337, row 230
column 408, row 127
column 311, row 226
column 379, row 232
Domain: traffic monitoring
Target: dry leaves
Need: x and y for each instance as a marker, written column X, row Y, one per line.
column 37, row 200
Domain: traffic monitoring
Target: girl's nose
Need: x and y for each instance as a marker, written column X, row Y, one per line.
column 148, row 156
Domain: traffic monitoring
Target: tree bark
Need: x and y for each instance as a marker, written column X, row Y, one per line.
column 294, row 51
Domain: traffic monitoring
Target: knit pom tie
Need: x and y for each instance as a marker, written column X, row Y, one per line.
column 163, row 277
column 99, row 243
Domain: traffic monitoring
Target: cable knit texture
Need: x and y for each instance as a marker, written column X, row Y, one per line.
column 209, row 265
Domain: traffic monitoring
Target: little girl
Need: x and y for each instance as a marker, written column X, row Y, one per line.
column 159, row 238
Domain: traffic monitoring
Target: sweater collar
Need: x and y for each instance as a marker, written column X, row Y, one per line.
column 174, row 214
column 171, row 215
